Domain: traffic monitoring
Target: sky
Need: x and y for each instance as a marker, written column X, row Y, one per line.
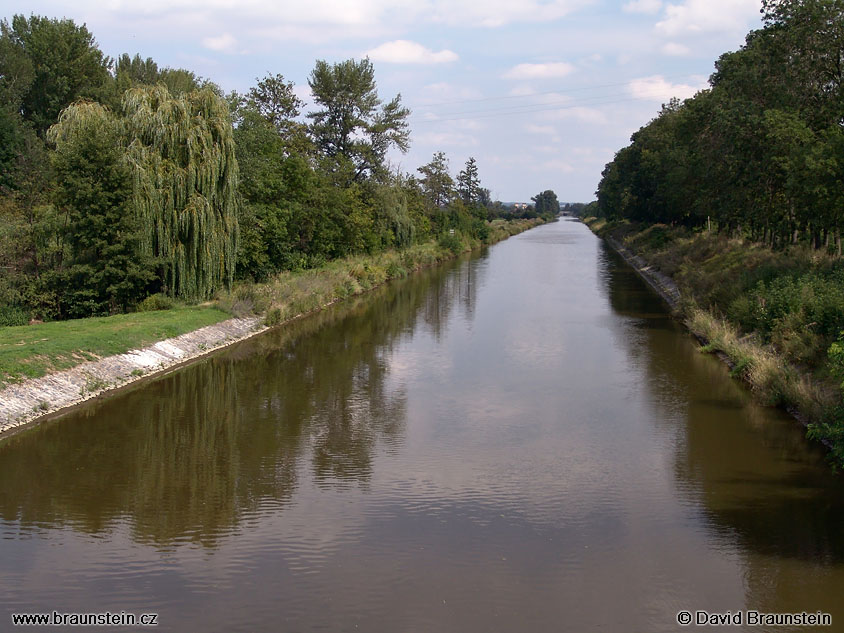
column 542, row 93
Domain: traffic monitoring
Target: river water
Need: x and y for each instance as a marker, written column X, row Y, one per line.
column 518, row 441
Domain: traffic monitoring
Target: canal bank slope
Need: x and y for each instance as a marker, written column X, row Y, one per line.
column 711, row 281
column 286, row 297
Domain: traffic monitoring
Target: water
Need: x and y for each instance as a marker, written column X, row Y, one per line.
column 522, row 440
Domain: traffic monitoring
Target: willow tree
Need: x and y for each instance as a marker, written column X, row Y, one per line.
column 185, row 177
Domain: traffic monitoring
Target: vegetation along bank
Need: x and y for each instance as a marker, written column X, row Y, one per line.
column 126, row 188
column 736, row 195
column 47, row 367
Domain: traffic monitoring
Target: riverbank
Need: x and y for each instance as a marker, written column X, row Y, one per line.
column 68, row 374
column 771, row 316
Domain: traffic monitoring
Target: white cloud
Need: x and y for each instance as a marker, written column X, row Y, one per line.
column 583, row 114
column 643, row 6
column 303, row 91
column 539, row 71
column 657, row 88
column 445, row 139
column 444, row 92
column 407, row 52
column 706, row 16
column 496, row 13
column 555, row 165
column 675, row 49
column 545, row 130
column 224, row 43
column 521, row 90
column 358, row 16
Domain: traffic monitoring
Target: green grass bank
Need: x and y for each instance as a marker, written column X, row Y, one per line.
column 291, row 294
column 32, row 351
column 777, row 316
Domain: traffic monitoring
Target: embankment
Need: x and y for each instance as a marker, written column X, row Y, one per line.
column 257, row 306
column 32, row 399
column 770, row 316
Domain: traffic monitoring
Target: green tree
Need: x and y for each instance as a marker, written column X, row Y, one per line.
column 185, row 182
column 105, row 271
column 468, row 183
column 436, row 183
column 274, row 99
column 66, row 65
column 352, row 128
column 546, row 203
column 135, row 71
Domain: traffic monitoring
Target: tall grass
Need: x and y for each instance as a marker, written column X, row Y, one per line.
column 772, row 314
column 291, row 294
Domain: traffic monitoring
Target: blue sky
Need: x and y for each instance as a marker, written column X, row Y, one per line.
column 540, row 92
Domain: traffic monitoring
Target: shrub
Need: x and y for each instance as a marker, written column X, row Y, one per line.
column 154, row 302
column 13, row 315
column 273, row 317
column 451, row 242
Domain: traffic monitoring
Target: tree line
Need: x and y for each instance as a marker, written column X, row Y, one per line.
column 760, row 153
column 120, row 179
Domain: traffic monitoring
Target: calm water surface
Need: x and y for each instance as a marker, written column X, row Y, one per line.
column 521, row 441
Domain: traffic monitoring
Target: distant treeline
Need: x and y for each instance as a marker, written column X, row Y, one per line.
column 120, row 180
column 761, row 152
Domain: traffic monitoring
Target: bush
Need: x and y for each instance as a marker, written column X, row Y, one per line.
column 396, row 270
column 451, row 242
column 13, row 315
column 154, row 302
column 273, row 317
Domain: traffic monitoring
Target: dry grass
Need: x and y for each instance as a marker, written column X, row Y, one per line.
column 290, row 294
column 788, row 302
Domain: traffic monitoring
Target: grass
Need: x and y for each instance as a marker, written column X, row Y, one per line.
column 290, row 294
column 772, row 314
column 31, row 351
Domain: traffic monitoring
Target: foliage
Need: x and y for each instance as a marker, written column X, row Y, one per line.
column 56, row 63
column 104, row 270
column 546, row 204
column 121, row 179
column 185, row 178
column 469, row 184
column 760, row 152
column 353, row 129
column 158, row 301
column 436, row 183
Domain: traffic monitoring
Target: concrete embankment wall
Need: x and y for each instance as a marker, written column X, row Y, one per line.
column 662, row 284
column 36, row 398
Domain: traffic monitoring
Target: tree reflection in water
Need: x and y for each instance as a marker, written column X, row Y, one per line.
column 185, row 458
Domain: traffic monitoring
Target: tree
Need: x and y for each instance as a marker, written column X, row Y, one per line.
column 185, row 178
column 353, row 129
column 546, row 203
column 468, row 183
column 105, row 271
column 274, row 101
column 135, row 70
column 437, row 185
column 273, row 98
column 65, row 61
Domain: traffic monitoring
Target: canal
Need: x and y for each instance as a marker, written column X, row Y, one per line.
column 522, row 440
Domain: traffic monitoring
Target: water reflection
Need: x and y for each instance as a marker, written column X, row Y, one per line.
column 186, row 457
column 761, row 489
column 524, row 441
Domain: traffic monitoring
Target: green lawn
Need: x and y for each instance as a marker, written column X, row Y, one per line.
column 30, row 351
